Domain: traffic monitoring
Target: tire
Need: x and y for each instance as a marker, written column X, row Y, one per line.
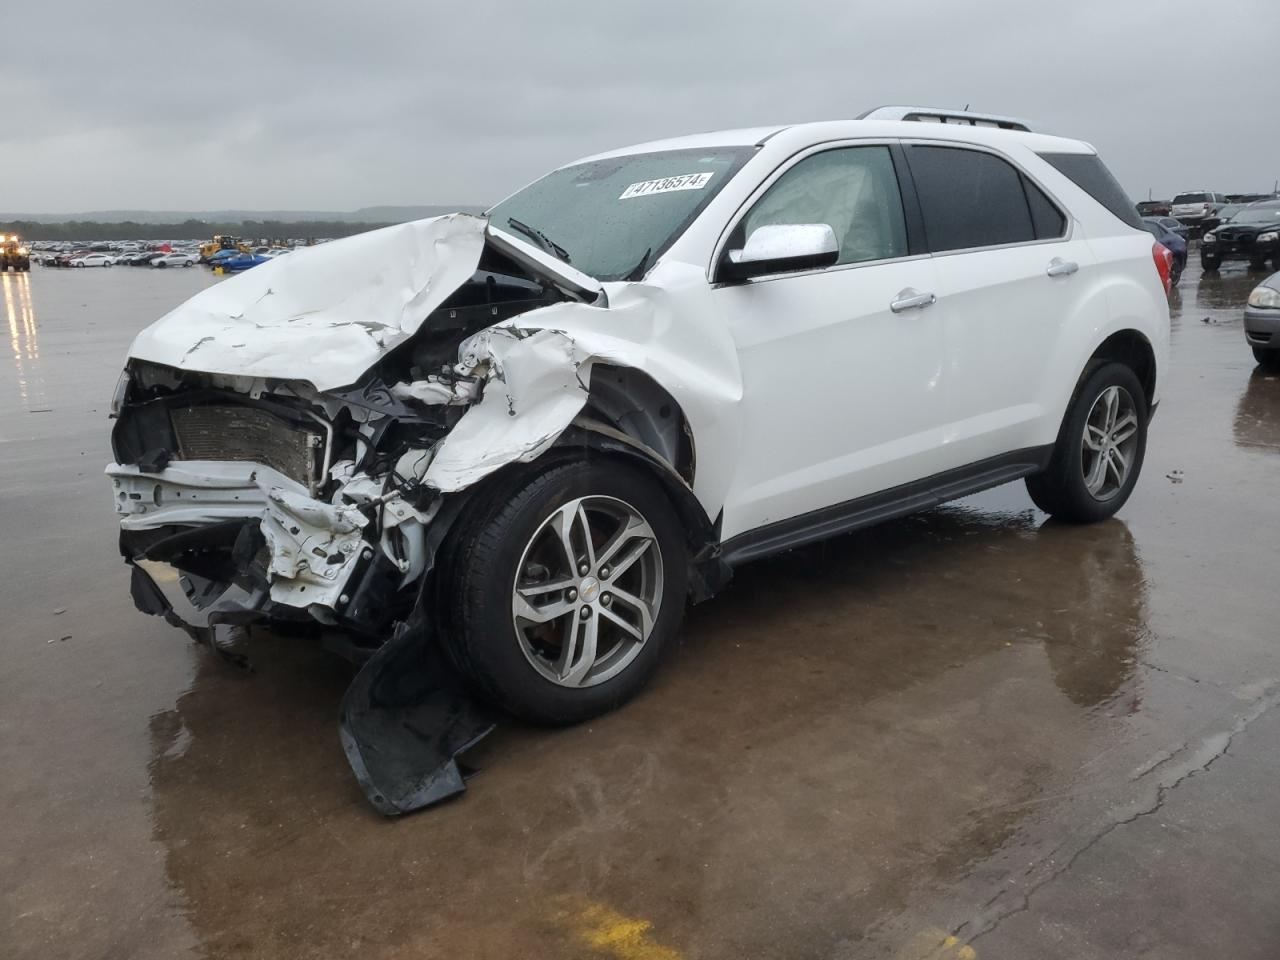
column 1257, row 264
column 1062, row 490
column 187, row 263
column 160, row 266
column 1270, row 359
column 1175, row 272
column 509, row 538
column 1210, row 263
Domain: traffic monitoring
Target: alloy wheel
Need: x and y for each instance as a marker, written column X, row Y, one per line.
column 587, row 591
column 1110, row 443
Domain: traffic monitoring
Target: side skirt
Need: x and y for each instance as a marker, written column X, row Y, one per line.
column 886, row 505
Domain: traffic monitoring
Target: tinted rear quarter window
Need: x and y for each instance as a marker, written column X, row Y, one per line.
column 1089, row 173
column 1048, row 220
column 969, row 198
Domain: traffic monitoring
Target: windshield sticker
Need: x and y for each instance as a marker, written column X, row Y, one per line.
column 688, row 181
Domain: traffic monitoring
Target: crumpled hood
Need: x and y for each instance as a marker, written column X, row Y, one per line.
column 323, row 314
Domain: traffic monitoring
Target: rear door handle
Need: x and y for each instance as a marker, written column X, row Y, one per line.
column 1061, row 268
column 908, row 299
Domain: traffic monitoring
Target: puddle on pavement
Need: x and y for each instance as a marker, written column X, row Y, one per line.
column 854, row 730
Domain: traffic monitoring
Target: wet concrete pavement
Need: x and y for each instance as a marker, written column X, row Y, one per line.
column 971, row 733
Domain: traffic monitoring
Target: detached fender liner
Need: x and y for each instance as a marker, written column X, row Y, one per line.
column 406, row 718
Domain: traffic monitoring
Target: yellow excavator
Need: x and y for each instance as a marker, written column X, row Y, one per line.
column 14, row 254
column 221, row 242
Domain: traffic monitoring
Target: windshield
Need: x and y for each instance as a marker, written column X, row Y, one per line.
column 1191, row 198
column 1257, row 215
column 612, row 218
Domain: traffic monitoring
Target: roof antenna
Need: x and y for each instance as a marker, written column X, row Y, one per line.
column 966, row 108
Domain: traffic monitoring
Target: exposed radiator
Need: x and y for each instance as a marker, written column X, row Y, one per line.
column 232, row 432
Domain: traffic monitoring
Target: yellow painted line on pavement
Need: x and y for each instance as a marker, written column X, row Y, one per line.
column 935, row 945
column 612, row 933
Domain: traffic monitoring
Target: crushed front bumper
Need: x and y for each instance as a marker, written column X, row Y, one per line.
column 215, row 543
column 292, row 554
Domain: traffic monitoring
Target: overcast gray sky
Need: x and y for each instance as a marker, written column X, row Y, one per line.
column 327, row 105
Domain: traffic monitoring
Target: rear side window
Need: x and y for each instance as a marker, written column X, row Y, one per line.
column 1045, row 217
column 1087, row 171
column 970, row 199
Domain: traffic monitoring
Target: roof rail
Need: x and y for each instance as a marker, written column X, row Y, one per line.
column 943, row 115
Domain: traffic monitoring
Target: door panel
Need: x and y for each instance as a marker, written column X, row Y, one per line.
column 1002, row 317
column 1010, row 278
column 841, row 396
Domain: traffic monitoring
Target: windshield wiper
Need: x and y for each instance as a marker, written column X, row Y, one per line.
column 544, row 241
column 637, row 272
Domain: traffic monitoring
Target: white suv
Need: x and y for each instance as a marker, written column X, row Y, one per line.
column 534, row 434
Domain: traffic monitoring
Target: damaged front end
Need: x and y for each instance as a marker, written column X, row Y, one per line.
column 291, row 446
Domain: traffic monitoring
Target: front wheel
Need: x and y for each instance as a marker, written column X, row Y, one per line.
column 1100, row 448
column 564, row 591
column 1270, row 359
column 1210, row 263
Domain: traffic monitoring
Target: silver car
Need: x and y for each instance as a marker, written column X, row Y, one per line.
column 1262, row 322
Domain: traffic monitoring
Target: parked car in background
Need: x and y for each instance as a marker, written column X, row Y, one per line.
column 1252, row 235
column 221, row 256
column 1262, row 322
column 1193, row 206
column 1153, row 208
column 1176, row 244
column 174, row 260
column 94, row 260
column 241, row 261
column 1220, row 215
column 1175, row 226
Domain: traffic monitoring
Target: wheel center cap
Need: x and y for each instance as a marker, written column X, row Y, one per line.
column 589, row 589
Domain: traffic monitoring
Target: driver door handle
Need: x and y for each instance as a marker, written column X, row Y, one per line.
column 1061, row 268
column 908, row 299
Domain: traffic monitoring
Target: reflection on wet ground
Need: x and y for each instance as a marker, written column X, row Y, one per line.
column 24, row 344
column 1257, row 422
column 955, row 725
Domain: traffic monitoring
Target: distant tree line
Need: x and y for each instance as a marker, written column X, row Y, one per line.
column 187, row 230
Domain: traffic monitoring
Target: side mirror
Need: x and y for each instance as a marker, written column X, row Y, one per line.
column 779, row 248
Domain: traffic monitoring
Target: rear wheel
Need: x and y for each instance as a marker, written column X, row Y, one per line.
column 1175, row 272
column 1267, row 358
column 564, row 592
column 1100, row 448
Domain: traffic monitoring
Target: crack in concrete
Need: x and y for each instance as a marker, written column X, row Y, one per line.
column 1207, row 751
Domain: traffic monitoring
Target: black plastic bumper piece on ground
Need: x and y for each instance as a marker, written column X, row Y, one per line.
column 406, row 718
